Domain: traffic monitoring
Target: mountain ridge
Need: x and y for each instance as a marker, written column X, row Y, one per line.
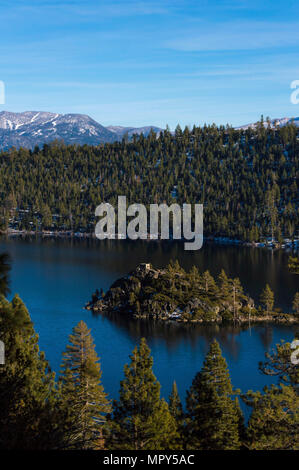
column 272, row 123
column 31, row 128
column 35, row 128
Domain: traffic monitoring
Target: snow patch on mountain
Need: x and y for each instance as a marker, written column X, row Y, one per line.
column 280, row 122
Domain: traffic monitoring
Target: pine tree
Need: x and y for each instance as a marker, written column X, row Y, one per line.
column 46, row 216
column 267, row 298
column 194, row 279
column 207, row 282
column 278, row 364
column 213, row 418
column 83, row 396
column 271, row 196
column 236, row 291
column 141, row 420
column 296, row 303
column 175, row 404
column 27, row 388
column 224, row 285
column 176, row 410
column 274, row 422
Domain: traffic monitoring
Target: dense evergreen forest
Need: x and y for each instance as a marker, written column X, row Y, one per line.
column 246, row 179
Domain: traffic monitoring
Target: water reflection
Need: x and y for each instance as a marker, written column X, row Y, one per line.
column 112, row 258
column 173, row 334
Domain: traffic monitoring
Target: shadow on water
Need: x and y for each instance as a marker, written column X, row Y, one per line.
column 113, row 258
column 172, row 333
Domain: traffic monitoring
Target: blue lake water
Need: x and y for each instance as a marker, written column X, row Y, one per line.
column 55, row 278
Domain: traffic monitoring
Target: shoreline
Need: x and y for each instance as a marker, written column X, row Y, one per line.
column 287, row 243
column 175, row 295
column 280, row 319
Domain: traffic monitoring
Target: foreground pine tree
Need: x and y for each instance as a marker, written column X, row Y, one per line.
column 27, row 389
column 84, row 401
column 213, row 419
column 274, row 422
column 278, row 363
column 176, row 410
column 141, row 419
column 175, row 404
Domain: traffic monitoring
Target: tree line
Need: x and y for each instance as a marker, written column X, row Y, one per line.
column 247, row 180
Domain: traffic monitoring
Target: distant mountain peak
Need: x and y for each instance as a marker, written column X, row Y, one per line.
column 31, row 128
column 278, row 122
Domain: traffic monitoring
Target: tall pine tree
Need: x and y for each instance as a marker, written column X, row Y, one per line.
column 214, row 419
column 175, row 404
column 27, row 389
column 83, row 398
column 141, row 419
column 176, row 410
column 274, row 422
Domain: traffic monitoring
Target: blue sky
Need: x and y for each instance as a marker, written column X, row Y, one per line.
column 151, row 62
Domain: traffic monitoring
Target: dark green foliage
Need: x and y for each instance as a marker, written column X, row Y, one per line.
column 175, row 404
column 267, row 299
column 82, row 394
column 176, row 410
column 141, row 419
column 27, row 389
column 175, row 294
column 213, row 419
column 246, row 179
column 278, row 363
column 274, row 422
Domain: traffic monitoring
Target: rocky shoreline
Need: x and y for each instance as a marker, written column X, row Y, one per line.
column 171, row 294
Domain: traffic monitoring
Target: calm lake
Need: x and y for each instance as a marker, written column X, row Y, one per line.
column 55, row 278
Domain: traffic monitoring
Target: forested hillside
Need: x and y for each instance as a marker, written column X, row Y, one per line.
column 246, row 179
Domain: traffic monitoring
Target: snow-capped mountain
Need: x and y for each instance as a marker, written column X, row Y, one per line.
column 280, row 122
column 33, row 128
column 130, row 131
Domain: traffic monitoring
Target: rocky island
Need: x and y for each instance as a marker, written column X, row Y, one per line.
column 174, row 294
